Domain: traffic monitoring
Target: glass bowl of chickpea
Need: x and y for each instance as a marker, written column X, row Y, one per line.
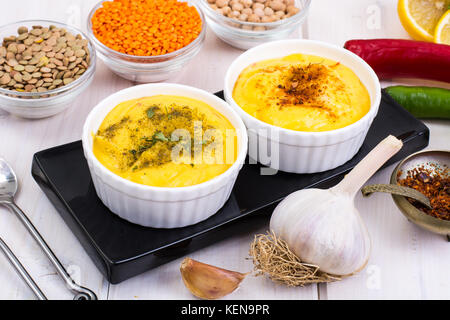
column 248, row 23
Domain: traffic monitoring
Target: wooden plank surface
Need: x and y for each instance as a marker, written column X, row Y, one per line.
column 406, row 262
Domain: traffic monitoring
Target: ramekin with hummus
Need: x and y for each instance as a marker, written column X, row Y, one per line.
column 308, row 102
column 302, row 92
column 166, row 141
column 164, row 155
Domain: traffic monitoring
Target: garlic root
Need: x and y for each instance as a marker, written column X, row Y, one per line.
column 208, row 282
column 273, row 258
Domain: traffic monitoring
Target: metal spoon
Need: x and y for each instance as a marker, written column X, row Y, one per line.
column 8, row 188
column 21, row 270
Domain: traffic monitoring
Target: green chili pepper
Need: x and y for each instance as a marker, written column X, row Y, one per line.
column 423, row 102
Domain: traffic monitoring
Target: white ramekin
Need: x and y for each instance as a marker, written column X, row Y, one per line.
column 305, row 152
column 156, row 206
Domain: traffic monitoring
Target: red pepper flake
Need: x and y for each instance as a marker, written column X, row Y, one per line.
column 433, row 182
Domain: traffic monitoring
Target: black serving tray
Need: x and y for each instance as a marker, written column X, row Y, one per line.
column 122, row 250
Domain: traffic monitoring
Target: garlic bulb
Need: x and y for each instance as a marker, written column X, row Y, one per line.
column 323, row 227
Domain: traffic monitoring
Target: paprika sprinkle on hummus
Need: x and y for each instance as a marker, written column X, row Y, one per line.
column 146, row 27
column 305, row 85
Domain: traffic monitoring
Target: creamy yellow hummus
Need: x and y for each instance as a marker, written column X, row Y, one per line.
column 166, row 141
column 303, row 93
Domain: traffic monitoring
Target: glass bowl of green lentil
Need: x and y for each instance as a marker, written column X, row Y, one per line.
column 54, row 97
column 145, row 69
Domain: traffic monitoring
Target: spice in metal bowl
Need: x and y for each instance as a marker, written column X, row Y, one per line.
column 146, row 28
column 42, row 59
column 433, row 182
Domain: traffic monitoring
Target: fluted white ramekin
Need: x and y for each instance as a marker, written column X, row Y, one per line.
column 304, row 152
column 160, row 207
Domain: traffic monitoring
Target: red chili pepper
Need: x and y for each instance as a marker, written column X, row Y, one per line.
column 395, row 58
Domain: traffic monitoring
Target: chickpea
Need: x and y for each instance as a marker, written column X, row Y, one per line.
column 243, row 17
column 255, row 11
column 257, row 5
column 222, row 3
column 234, row 14
column 253, row 18
column 292, row 10
column 277, row 5
column 266, row 19
column 268, row 11
column 259, row 12
column 275, row 18
column 226, row 10
column 247, row 3
column 247, row 11
column 237, row 7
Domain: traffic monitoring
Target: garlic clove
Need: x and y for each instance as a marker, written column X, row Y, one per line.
column 208, row 282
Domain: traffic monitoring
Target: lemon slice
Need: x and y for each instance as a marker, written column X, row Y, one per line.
column 420, row 17
column 442, row 32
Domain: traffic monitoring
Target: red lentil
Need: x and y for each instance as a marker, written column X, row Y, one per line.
column 146, row 27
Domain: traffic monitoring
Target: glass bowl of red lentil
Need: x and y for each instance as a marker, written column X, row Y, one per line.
column 147, row 68
column 427, row 172
column 244, row 34
column 36, row 105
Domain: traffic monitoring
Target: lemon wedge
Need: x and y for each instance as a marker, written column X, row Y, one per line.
column 442, row 32
column 420, row 17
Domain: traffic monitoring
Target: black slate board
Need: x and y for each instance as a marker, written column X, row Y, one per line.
column 122, row 250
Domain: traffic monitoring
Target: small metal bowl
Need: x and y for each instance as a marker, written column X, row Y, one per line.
column 440, row 158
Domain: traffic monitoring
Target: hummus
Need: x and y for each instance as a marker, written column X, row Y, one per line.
column 302, row 92
column 166, row 141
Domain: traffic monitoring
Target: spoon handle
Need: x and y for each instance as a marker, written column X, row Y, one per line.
column 397, row 190
column 81, row 292
column 21, row 271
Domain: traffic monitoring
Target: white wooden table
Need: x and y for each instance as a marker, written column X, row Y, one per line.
column 406, row 262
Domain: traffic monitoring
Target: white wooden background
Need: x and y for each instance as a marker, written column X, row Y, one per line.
column 406, row 262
